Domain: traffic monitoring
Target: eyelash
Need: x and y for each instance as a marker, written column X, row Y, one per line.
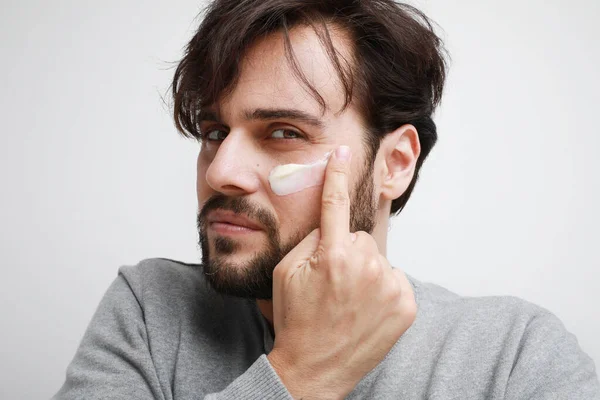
column 203, row 134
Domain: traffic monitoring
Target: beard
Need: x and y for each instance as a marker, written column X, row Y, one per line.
column 253, row 279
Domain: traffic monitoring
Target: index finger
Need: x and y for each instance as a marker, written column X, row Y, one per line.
column 335, row 203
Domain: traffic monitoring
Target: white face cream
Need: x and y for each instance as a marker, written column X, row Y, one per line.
column 291, row 178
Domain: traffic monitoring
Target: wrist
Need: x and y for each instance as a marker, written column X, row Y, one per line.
column 285, row 372
column 302, row 384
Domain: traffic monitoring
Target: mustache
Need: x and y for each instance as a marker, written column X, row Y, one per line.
column 238, row 205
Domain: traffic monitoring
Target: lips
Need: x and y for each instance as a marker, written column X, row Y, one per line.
column 231, row 218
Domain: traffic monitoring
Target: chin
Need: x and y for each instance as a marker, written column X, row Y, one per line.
column 241, row 275
column 237, row 261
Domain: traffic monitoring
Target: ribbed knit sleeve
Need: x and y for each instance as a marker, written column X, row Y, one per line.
column 260, row 381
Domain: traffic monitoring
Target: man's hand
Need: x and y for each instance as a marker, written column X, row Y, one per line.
column 338, row 306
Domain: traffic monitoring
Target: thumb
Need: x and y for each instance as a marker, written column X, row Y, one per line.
column 303, row 250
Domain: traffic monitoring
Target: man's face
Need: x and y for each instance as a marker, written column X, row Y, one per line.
column 245, row 229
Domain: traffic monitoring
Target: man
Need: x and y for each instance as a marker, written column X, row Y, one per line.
column 295, row 297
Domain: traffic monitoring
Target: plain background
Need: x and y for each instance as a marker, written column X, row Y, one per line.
column 94, row 175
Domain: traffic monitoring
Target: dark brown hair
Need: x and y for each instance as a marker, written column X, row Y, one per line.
column 396, row 76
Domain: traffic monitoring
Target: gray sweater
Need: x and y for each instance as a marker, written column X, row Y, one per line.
column 161, row 332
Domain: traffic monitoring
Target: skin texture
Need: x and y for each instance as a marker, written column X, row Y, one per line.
column 291, row 178
column 354, row 293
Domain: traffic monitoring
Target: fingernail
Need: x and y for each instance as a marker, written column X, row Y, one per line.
column 343, row 153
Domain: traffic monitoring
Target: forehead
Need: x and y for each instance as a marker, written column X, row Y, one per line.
column 268, row 80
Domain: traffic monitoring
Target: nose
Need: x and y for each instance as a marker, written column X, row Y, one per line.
column 231, row 170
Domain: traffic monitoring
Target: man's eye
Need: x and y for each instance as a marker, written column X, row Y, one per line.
column 285, row 134
column 215, row 134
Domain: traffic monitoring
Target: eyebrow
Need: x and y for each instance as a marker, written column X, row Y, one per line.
column 268, row 114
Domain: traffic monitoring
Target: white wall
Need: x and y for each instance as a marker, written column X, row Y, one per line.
column 94, row 176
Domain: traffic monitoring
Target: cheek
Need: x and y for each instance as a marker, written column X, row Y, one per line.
column 203, row 190
column 298, row 212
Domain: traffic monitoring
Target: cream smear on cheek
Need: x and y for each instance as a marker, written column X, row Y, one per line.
column 291, row 178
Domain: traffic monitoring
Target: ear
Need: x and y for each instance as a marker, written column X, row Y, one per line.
column 399, row 152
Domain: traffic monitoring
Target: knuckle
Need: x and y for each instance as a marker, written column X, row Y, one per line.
column 405, row 305
column 394, row 291
column 372, row 270
column 410, row 310
column 336, row 199
column 367, row 242
column 362, row 236
column 339, row 169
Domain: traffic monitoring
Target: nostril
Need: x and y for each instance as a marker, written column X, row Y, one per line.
column 230, row 188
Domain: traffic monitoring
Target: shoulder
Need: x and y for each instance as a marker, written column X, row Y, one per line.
column 437, row 301
column 506, row 327
column 168, row 285
column 502, row 325
column 153, row 272
column 161, row 275
column 170, row 291
column 515, row 339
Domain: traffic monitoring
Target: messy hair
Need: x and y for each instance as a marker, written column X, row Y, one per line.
column 395, row 76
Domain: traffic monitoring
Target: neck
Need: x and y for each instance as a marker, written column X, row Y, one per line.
column 266, row 308
column 380, row 236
